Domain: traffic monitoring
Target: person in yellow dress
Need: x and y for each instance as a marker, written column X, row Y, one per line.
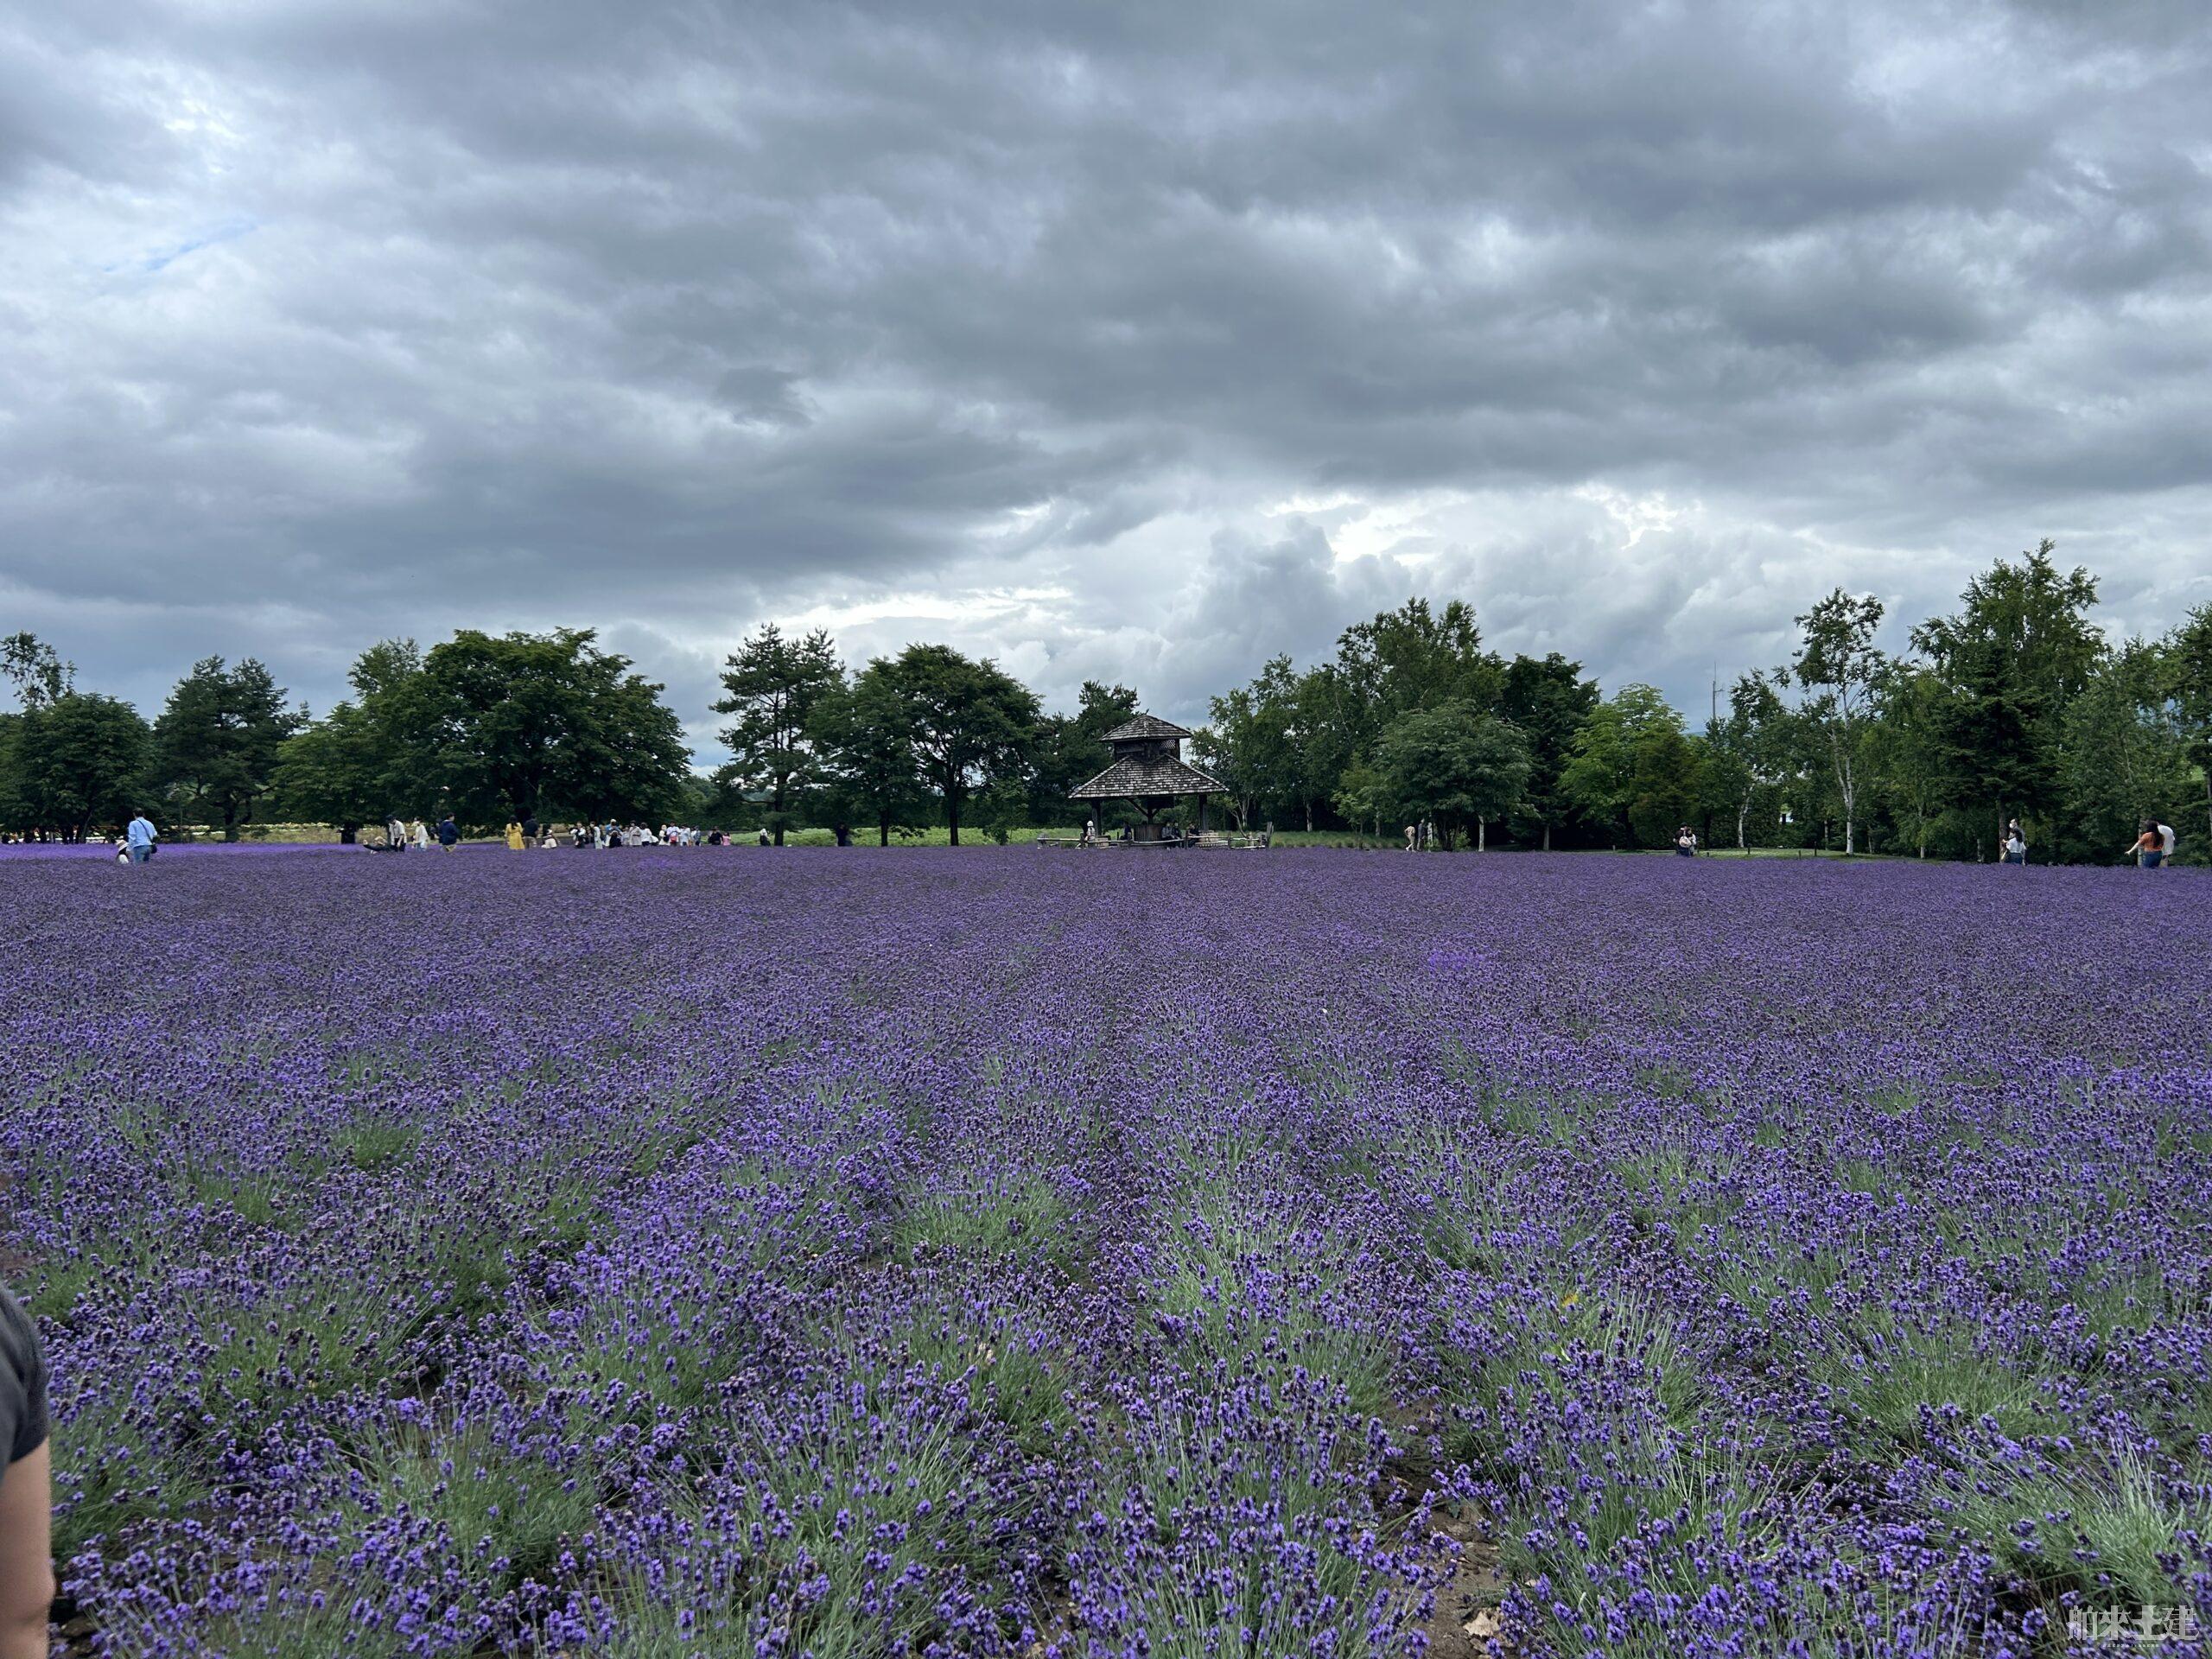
column 514, row 836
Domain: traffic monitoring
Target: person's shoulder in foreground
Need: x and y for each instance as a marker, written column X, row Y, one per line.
column 22, row 1380
column 27, row 1586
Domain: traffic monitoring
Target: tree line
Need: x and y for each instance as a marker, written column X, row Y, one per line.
column 2014, row 705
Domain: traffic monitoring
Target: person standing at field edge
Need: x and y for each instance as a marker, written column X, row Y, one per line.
column 140, row 837
column 2167, row 844
column 27, row 1587
column 2015, row 843
column 514, row 836
column 2150, row 846
column 448, row 832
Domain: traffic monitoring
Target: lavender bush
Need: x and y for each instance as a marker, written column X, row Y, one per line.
column 1002, row 1253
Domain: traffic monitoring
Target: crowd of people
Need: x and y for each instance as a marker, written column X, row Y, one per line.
column 2154, row 847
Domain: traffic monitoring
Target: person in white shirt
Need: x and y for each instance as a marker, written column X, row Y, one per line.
column 2166, row 842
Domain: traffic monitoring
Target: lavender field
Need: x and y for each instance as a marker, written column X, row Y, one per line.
column 997, row 1252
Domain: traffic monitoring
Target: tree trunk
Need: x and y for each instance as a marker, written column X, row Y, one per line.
column 1547, row 834
column 1743, row 812
column 346, row 832
column 951, row 818
column 1482, row 835
column 1309, row 817
column 883, row 827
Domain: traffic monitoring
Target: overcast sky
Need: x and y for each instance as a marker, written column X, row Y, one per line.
column 1133, row 341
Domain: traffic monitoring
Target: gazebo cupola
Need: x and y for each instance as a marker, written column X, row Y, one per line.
column 1149, row 770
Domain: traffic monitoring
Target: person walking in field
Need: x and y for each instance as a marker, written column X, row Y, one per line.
column 139, row 838
column 2149, row 848
column 514, row 836
column 2167, row 844
column 27, row 1587
column 422, row 837
column 1413, row 839
column 2015, row 843
column 448, row 832
column 1686, row 842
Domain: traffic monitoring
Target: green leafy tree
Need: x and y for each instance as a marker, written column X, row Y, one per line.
column 1633, row 769
column 1752, row 749
column 358, row 765
column 1363, row 796
column 2018, row 650
column 1840, row 669
column 31, row 666
column 866, row 748
column 524, row 725
column 1412, row 657
column 771, row 685
column 1068, row 749
column 970, row 724
column 1910, row 751
column 1250, row 742
column 1322, row 736
column 216, row 743
column 1456, row 764
column 2188, row 653
column 76, row 759
column 2121, row 755
column 1549, row 700
column 332, row 772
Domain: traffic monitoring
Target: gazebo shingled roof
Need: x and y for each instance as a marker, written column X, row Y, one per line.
column 1140, row 775
column 1143, row 726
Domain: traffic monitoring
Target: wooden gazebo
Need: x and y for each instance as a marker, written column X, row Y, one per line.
column 1149, row 771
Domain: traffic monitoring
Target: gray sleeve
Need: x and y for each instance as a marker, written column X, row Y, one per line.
column 23, row 1424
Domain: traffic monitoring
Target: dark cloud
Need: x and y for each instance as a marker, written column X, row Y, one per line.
column 1128, row 341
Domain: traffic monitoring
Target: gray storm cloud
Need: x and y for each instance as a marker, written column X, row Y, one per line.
column 1138, row 342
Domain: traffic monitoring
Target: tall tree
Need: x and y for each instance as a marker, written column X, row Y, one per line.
column 1454, row 763
column 216, row 743
column 1250, row 741
column 771, row 687
column 358, row 765
column 334, row 772
column 2121, row 753
column 1911, row 748
column 866, row 748
column 1321, row 736
column 74, row 760
column 1838, row 667
column 524, row 725
column 1412, row 657
column 1068, row 750
column 2188, row 652
column 1633, row 768
column 969, row 722
column 1753, row 747
column 37, row 673
column 1547, row 699
column 2018, row 650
